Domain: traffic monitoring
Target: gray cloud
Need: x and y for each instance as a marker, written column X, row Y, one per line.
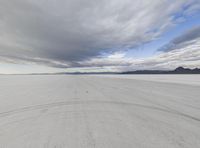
column 187, row 38
column 67, row 33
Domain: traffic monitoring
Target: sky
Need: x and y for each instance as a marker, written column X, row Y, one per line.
column 47, row 36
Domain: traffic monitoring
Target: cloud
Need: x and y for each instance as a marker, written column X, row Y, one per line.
column 68, row 33
column 187, row 56
column 187, row 38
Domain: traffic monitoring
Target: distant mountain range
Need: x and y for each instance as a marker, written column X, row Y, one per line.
column 179, row 70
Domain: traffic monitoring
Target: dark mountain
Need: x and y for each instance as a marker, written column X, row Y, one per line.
column 179, row 70
column 182, row 70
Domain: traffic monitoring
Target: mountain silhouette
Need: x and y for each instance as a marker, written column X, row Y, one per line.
column 178, row 70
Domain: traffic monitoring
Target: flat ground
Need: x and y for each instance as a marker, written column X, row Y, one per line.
column 80, row 111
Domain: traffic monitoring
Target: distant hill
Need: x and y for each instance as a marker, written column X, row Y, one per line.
column 179, row 70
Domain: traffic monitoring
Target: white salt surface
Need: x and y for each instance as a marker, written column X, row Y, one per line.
column 193, row 79
column 67, row 111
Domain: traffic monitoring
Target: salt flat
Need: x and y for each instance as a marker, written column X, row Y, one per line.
column 189, row 79
column 82, row 111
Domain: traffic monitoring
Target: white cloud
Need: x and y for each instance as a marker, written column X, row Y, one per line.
column 188, row 56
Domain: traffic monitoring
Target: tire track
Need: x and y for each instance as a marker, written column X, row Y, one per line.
column 92, row 102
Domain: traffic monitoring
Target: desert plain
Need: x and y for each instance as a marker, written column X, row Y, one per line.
column 99, row 111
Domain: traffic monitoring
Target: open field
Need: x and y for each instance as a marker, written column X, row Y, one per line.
column 87, row 111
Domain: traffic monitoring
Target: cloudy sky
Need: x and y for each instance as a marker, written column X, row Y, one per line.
column 98, row 35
